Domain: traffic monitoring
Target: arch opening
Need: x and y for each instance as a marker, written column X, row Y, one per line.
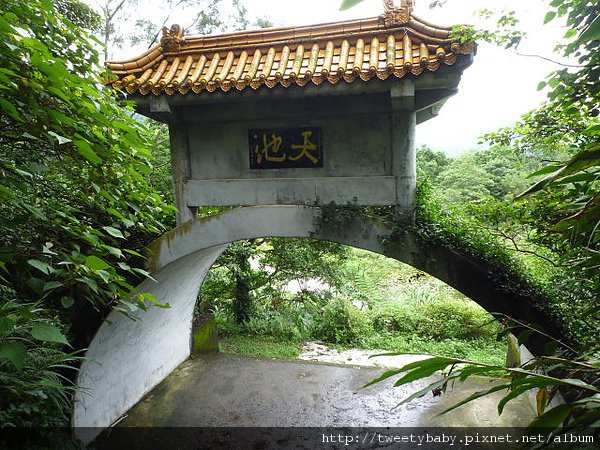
column 128, row 358
column 302, row 298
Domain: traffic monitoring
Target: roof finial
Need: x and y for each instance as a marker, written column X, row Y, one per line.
column 397, row 16
column 172, row 39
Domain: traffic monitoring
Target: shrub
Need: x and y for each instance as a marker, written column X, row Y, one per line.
column 341, row 323
column 445, row 318
column 454, row 319
column 288, row 324
column 395, row 318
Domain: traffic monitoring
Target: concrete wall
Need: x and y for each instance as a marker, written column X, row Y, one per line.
column 367, row 145
column 128, row 358
column 354, row 146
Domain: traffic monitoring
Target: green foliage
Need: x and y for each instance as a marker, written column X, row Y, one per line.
column 275, row 263
column 541, row 375
column 34, row 388
column 440, row 319
column 203, row 17
column 347, row 4
column 287, row 325
column 73, row 167
column 79, row 13
column 431, row 163
column 75, row 204
column 342, row 323
column 266, row 347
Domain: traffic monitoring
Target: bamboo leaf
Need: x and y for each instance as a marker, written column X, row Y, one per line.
column 426, row 390
column 475, row 396
column 384, row 376
column 541, row 400
column 427, row 368
column 554, row 417
column 510, row 396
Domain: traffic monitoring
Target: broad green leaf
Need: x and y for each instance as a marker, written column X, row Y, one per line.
column 114, row 232
column 593, row 31
column 9, row 109
column 86, row 151
column 147, row 297
column 89, row 282
column 113, row 251
column 61, row 139
column 15, row 352
column 95, row 263
column 6, row 324
column 549, row 16
column 42, row 266
column 48, row 333
column 52, row 285
column 104, row 275
column 133, row 252
column 592, row 130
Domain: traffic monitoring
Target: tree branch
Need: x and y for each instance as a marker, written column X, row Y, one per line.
column 529, row 252
column 579, row 66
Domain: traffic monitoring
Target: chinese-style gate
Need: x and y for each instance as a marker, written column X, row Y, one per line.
column 296, row 118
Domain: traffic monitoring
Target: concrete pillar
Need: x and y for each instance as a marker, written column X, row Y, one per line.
column 404, row 163
column 180, row 163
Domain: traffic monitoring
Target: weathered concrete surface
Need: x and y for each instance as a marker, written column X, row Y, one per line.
column 126, row 359
column 237, row 391
column 367, row 142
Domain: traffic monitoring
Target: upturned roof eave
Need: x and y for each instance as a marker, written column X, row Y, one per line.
column 261, row 38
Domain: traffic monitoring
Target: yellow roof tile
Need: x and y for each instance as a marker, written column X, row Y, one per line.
column 394, row 44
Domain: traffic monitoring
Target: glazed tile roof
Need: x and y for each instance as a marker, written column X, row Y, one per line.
column 394, row 44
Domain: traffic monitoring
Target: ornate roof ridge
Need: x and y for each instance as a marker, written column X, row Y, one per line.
column 394, row 43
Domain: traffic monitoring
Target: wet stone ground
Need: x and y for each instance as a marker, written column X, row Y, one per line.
column 247, row 394
column 237, row 391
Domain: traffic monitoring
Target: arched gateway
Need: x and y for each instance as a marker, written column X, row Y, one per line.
column 297, row 118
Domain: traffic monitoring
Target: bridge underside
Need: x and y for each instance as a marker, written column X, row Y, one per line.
column 128, row 358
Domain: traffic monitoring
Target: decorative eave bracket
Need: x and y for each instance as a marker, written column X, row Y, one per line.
column 394, row 16
column 172, row 39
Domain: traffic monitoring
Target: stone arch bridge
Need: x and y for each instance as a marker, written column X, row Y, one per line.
column 128, row 358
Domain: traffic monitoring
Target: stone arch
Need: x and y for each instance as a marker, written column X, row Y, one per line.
column 127, row 358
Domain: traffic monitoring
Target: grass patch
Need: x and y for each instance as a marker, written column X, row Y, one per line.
column 482, row 350
column 267, row 347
